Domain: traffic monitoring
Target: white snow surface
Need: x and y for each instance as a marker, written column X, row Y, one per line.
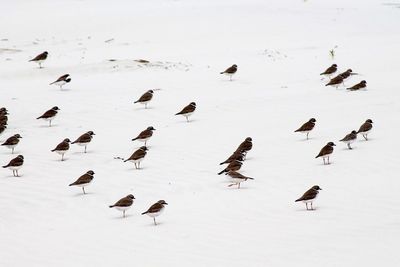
column 280, row 47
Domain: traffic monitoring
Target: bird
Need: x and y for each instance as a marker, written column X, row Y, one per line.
column 40, row 58
column 336, row 81
column 309, row 196
column 358, row 86
column 233, row 166
column 326, row 151
column 84, row 139
column 245, row 146
column 145, row 98
column 307, row 127
column 62, row 80
column 138, row 156
column 365, row 128
column 346, row 74
column 155, row 210
column 237, row 155
column 3, row 119
column 3, row 111
column 237, row 178
column 12, row 142
column 230, row 71
column 49, row 115
column 187, row 111
column 349, row 139
column 62, row 148
column 84, row 180
column 15, row 164
column 145, row 135
column 329, row 71
column 124, row 204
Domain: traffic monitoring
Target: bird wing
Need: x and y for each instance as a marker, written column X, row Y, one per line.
column 48, row 114
column 308, row 126
column 11, row 141
column 310, row 194
column 187, row 109
column 84, row 179
column 61, row 146
column 124, row 202
column 42, row 56
column 145, row 97
column 365, row 127
column 84, row 138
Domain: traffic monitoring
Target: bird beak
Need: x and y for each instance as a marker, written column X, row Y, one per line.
column 320, row 188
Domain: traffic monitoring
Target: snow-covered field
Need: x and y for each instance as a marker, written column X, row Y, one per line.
column 280, row 48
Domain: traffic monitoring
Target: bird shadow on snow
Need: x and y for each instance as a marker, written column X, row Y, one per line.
column 142, row 108
column 121, row 217
column 81, row 194
column 184, row 121
column 47, row 126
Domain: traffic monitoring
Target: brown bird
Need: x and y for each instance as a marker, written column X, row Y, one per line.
column 145, row 135
column 15, row 164
column 329, row 71
column 12, row 142
column 84, row 139
column 187, row 111
column 346, row 74
column 233, row 166
column 49, row 115
column 84, row 180
column 237, row 155
column 3, row 119
column 237, row 178
column 156, row 209
column 307, row 127
column 62, row 80
column 336, row 81
column 326, row 151
column 358, row 86
column 137, row 156
column 230, row 71
column 62, row 148
column 245, row 146
column 365, row 128
column 124, row 204
column 310, row 196
column 349, row 139
column 40, row 58
column 3, row 111
column 145, row 98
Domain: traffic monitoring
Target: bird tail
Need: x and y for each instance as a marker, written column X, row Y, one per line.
column 222, row 163
column 52, row 83
column 297, row 200
column 39, row 117
column 53, row 150
column 143, row 213
column 73, row 142
column 134, row 139
column 222, row 72
column 221, row 172
column 317, row 156
column 5, row 166
column 136, row 101
column 71, row 184
column 111, row 206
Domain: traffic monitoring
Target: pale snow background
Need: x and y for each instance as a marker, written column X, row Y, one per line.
column 43, row 222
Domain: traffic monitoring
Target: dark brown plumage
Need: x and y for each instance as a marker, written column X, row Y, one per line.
column 245, row 146
column 237, row 155
column 84, row 180
column 62, row 148
column 40, row 58
column 84, row 139
column 137, row 156
column 12, row 142
column 307, row 127
column 49, row 115
column 62, row 80
column 233, row 166
column 350, row 138
column 15, row 164
column 332, row 69
column 309, row 196
column 365, row 128
column 346, row 74
column 358, row 86
column 336, row 81
column 230, row 71
column 237, row 178
column 124, row 203
column 187, row 111
column 326, row 151
column 156, row 209
column 145, row 98
column 3, row 111
column 145, row 135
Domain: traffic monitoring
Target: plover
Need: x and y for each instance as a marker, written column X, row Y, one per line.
column 310, row 196
column 349, row 139
column 245, row 146
column 346, row 74
column 155, row 210
column 49, row 115
column 40, row 58
column 329, row 71
column 84, row 180
column 237, row 155
column 62, row 148
column 62, row 80
column 230, row 71
column 145, row 98
column 15, row 164
column 137, row 156
column 307, row 127
column 12, row 142
column 124, row 204
column 3, row 111
column 237, row 178
column 365, row 128
column 336, row 81
column 358, row 86
column 326, row 152
column 187, row 111
column 84, row 139
column 145, row 135
column 233, row 166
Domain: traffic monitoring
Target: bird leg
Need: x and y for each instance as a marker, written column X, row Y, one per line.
column 135, row 165
column 154, row 218
column 62, row 157
column 12, row 150
column 85, row 149
column 306, row 205
column 83, row 188
column 49, row 123
column 348, row 145
column 16, row 171
column 323, row 160
column 311, row 206
column 328, row 161
column 238, row 185
column 123, row 214
column 307, row 136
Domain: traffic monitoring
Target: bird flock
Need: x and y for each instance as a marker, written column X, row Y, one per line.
column 233, row 163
